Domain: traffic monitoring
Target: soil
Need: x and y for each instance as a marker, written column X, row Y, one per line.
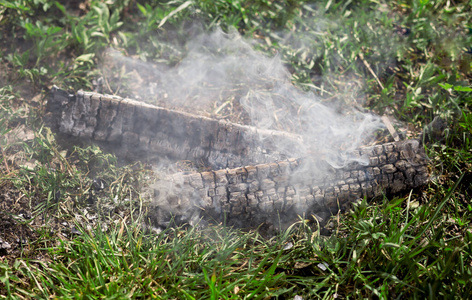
column 17, row 228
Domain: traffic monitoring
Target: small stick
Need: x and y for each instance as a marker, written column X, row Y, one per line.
column 390, row 128
column 220, row 108
column 361, row 56
column 5, row 160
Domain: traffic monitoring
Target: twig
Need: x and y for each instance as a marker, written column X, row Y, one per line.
column 220, row 108
column 390, row 128
column 5, row 160
column 108, row 85
column 361, row 56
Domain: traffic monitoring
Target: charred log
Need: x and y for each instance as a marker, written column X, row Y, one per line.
column 253, row 180
column 267, row 193
column 142, row 131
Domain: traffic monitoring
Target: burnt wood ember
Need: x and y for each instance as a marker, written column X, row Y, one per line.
column 252, row 181
column 252, row 195
column 142, row 131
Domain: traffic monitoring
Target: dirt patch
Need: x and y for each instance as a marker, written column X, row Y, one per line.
column 17, row 227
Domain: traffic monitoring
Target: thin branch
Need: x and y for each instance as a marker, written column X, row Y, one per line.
column 361, row 56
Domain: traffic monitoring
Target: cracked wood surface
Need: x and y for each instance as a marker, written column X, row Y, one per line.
column 140, row 130
column 253, row 181
column 251, row 195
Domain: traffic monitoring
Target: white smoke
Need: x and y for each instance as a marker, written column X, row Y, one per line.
column 222, row 75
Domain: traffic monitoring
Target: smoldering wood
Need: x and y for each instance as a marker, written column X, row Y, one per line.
column 252, row 195
column 252, row 181
column 142, row 131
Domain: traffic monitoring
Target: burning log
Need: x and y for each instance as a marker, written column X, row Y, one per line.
column 252, row 180
column 252, row 195
column 139, row 130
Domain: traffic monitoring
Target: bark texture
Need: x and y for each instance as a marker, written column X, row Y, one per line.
column 251, row 195
column 254, row 181
column 139, row 130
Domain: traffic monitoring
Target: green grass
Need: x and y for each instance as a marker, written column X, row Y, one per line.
column 408, row 59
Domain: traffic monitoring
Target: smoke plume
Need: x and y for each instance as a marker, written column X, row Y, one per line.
column 223, row 76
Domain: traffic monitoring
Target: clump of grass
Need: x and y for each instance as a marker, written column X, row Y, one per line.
column 401, row 249
column 126, row 262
